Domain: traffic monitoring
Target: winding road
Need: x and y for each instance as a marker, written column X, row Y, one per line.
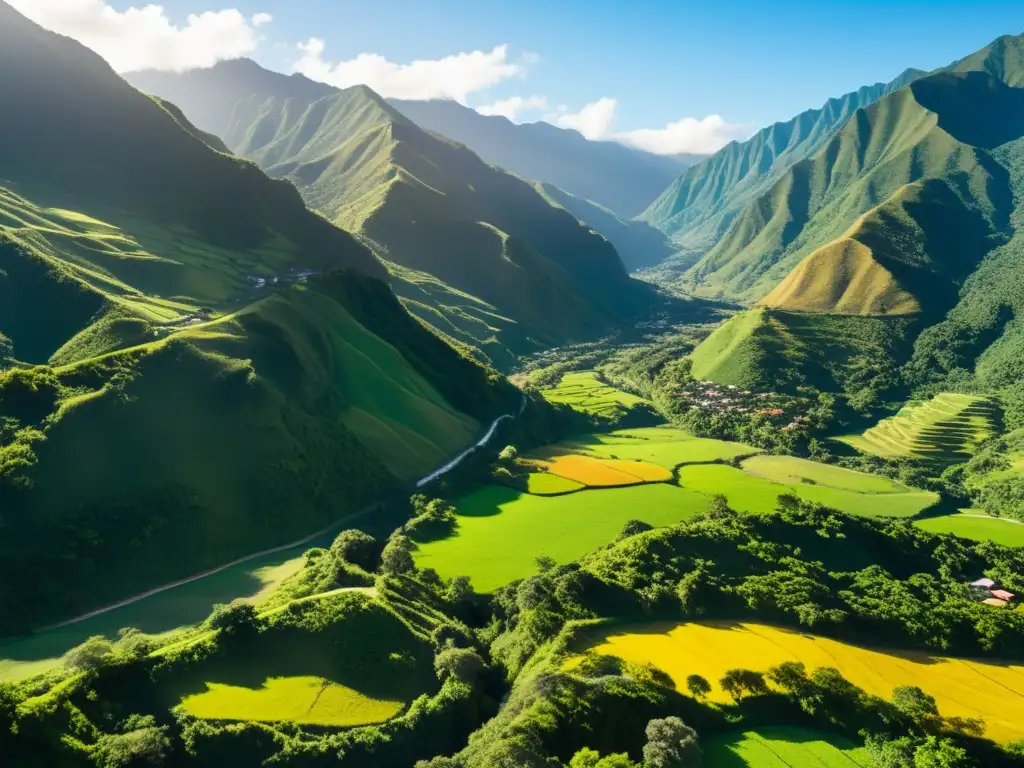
column 445, row 468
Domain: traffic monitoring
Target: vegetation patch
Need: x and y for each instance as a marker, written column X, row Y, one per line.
column 501, row 532
column 974, row 524
column 585, row 391
column 544, row 484
column 783, row 747
column 962, row 688
column 944, row 430
column 665, row 446
column 301, row 700
column 791, row 470
column 749, row 493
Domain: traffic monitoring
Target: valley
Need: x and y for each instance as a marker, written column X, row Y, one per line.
column 348, row 419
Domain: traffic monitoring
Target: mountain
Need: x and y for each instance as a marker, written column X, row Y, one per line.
column 472, row 249
column 622, row 179
column 698, row 208
column 193, row 365
column 910, row 210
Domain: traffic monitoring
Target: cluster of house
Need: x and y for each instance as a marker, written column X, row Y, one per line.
column 991, row 594
column 721, row 398
column 291, row 276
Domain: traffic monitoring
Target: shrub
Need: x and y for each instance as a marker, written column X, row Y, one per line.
column 671, row 744
column 90, row 655
column 461, row 664
column 356, row 547
column 397, row 556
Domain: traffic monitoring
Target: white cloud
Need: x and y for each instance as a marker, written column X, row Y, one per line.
column 594, row 120
column 452, row 77
column 511, row 107
column 688, row 134
column 145, row 38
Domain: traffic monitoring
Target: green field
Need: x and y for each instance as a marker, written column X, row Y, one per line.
column 501, row 531
column 585, row 392
column 783, row 747
column 301, row 700
column 749, row 493
column 791, row 470
column 665, row 446
column 976, row 525
column 944, row 430
column 544, row 484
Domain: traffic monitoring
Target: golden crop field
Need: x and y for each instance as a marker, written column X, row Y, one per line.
column 301, row 700
column 597, row 473
column 990, row 690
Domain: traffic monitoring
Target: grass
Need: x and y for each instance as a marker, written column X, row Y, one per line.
column 300, row 700
column 791, row 470
column 501, row 531
column 544, row 484
column 783, row 747
column 749, row 493
column 599, row 473
column 992, row 691
column 974, row 524
column 944, row 430
column 665, row 446
column 585, row 392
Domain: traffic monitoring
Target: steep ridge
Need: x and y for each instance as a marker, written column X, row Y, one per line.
column 698, row 208
column 432, row 206
column 929, row 130
column 167, row 400
column 622, row 179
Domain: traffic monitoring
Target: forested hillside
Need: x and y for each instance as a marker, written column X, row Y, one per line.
column 194, row 365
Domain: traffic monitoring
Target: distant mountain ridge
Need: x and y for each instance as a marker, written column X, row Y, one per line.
column 698, row 208
column 525, row 273
column 622, row 179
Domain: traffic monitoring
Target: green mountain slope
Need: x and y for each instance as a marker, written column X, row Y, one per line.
column 616, row 177
column 178, row 386
column 698, row 208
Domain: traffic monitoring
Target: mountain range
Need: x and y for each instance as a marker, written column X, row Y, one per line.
column 163, row 410
column 483, row 255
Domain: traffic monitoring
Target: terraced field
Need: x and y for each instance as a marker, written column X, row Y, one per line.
column 585, row 392
column 783, row 747
column 944, row 430
column 962, row 688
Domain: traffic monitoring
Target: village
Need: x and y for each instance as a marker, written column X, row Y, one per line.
column 990, row 593
column 729, row 398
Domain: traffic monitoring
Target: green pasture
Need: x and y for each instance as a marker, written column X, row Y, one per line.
column 502, row 531
column 585, row 392
column 749, row 493
column 944, row 430
column 976, row 525
column 665, row 446
column 544, row 484
column 791, row 470
column 783, row 747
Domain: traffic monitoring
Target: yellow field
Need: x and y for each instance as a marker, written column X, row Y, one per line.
column 962, row 687
column 302, row 700
column 602, row 473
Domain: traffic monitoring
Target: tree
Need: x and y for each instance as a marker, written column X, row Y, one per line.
column 460, row 588
column 591, row 758
column 90, row 655
column 462, row 664
column 940, row 753
column 736, row 682
column 508, row 454
column 545, row 563
column 451, row 635
column 671, row 744
column 142, row 743
column 356, row 547
column 916, row 705
column 233, row 619
column 790, row 676
column 633, row 528
column 698, row 686
column 397, row 556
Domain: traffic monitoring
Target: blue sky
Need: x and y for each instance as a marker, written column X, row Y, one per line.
column 640, row 65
